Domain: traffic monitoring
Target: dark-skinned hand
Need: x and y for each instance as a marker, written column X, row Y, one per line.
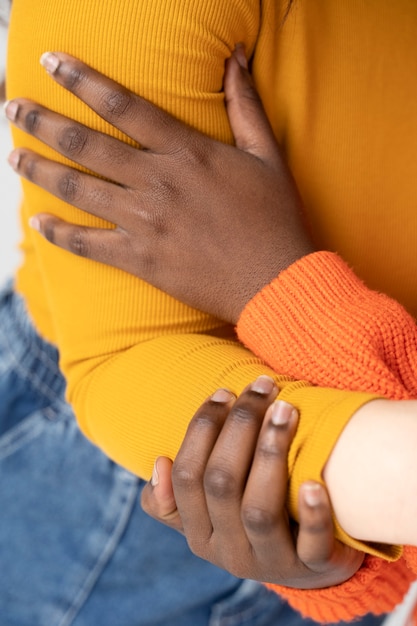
column 226, row 492
column 210, row 224
column 206, row 222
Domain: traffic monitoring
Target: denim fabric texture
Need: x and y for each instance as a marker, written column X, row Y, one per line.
column 75, row 547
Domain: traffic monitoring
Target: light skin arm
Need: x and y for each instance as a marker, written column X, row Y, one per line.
column 374, row 463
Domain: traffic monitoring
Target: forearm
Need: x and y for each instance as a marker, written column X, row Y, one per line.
column 318, row 320
column 95, row 311
column 111, row 328
column 381, row 439
column 103, row 340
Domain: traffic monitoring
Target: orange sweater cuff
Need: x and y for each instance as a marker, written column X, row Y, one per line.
column 377, row 587
column 318, row 321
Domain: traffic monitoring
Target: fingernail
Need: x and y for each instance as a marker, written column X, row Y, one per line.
column 240, row 55
column 222, row 396
column 312, row 494
column 155, row 475
column 13, row 159
column 263, row 384
column 35, row 223
column 282, row 412
column 10, row 109
column 50, row 62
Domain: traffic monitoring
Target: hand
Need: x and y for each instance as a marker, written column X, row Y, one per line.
column 208, row 223
column 228, row 493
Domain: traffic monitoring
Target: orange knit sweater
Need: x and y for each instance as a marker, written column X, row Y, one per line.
column 318, row 318
column 138, row 363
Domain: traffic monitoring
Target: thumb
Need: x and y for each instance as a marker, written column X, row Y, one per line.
column 158, row 498
column 250, row 126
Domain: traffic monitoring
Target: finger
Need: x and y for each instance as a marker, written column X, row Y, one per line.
column 158, row 498
column 96, row 151
column 97, row 197
column 315, row 538
column 316, row 546
column 250, row 126
column 232, row 456
column 263, row 508
column 189, row 468
column 100, row 244
column 136, row 117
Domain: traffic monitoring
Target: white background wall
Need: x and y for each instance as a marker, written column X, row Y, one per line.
column 9, row 191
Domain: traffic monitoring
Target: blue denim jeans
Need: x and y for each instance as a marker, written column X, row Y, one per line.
column 75, row 547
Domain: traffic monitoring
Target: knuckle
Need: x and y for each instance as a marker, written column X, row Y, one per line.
column 159, row 119
column 219, row 483
column 270, row 449
column 197, row 154
column 152, row 211
column 100, row 197
column 118, row 155
column 159, row 223
column 30, row 165
column 210, row 416
column 74, row 77
column 69, row 186
column 244, row 412
column 316, row 558
column 316, row 527
column 164, row 190
column 161, row 186
column 251, row 96
column 49, row 231
column 147, row 259
column 116, row 103
column 238, row 562
column 258, row 520
column 73, row 140
column 78, row 242
column 198, row 546
column 32, row 121
column 184, row 476
column 107, row 254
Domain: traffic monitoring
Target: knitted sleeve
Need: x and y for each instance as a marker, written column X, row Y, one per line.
column 318, row 318
column 138, row 363
column 319, row 321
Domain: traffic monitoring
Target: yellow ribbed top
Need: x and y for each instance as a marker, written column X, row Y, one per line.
column 138, row 363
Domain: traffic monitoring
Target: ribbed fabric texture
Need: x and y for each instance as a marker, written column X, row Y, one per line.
column 137, row 362
column 376, row 588
column 318, row 318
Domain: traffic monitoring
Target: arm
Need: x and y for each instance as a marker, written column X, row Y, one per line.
column 346, row 303
column 121, row 339
column 368, row 574
column 209, row 454
column 107, row 417
column 191, row 354
column 228, row 493
column 381, row 437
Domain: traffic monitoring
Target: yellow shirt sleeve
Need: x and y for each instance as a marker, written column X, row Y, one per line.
column 137, row 362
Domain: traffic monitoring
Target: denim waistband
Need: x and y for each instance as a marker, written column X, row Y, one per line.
column 24, row 350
